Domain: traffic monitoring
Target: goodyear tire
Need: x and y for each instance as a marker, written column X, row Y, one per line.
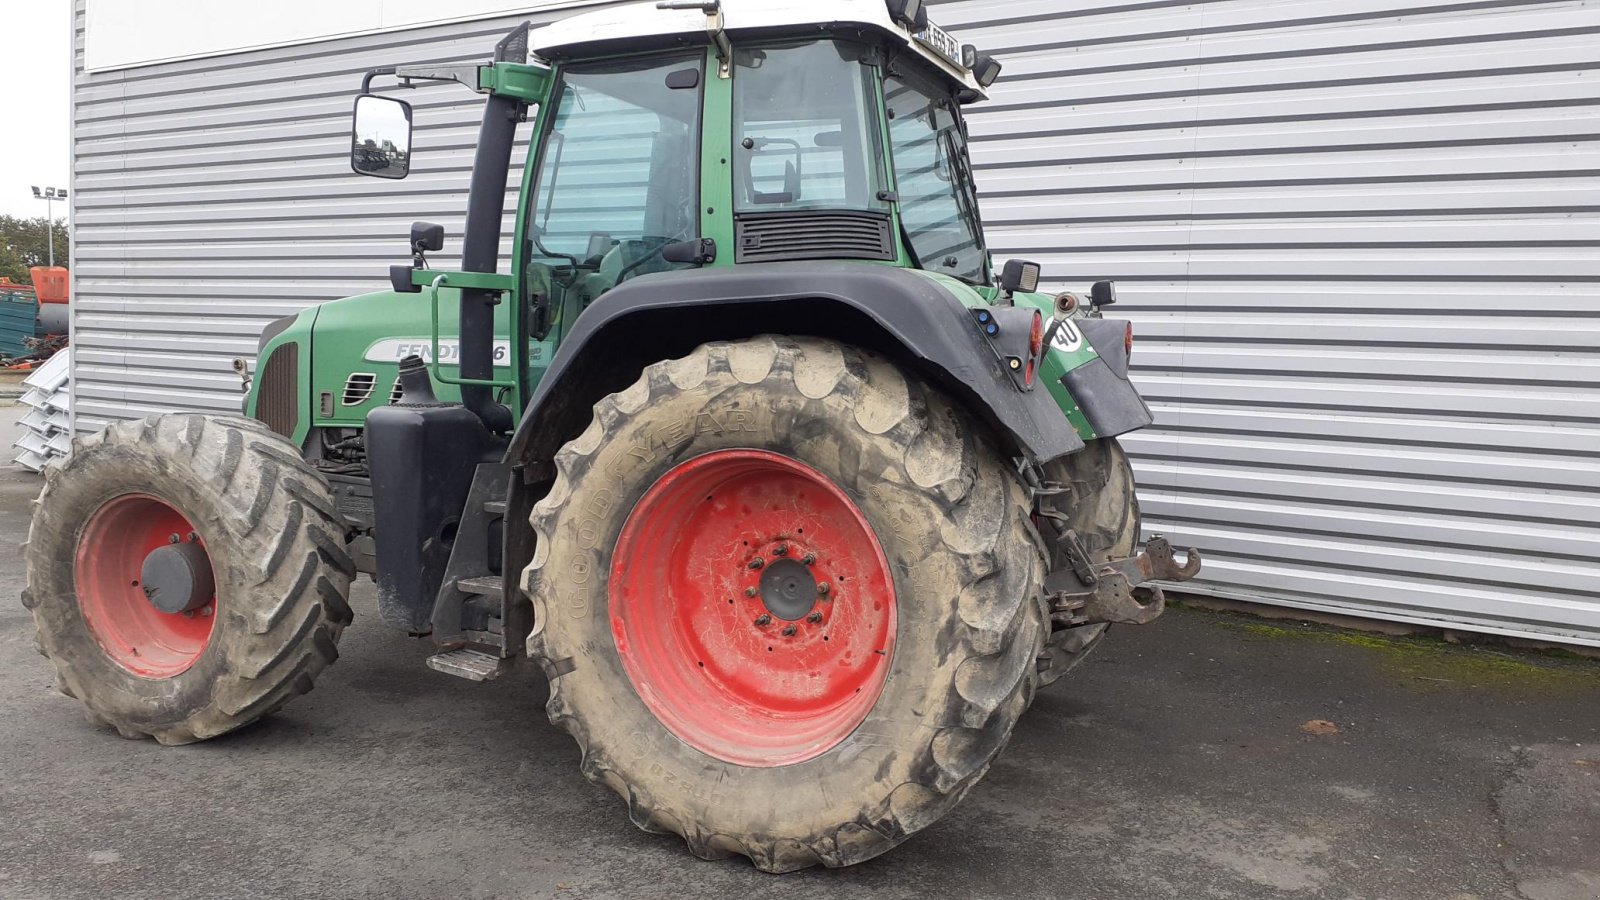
column 1105, row 514
column 788, row 599
column 261, row 548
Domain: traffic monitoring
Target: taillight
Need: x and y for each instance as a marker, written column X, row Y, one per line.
column 1127, row 340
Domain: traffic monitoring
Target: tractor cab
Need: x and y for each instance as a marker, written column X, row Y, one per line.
column 824, row 146
column 813, row 132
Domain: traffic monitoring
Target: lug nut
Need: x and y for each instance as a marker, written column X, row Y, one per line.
column 789, row 631
column 781, row 550
column 815, row 617
column 194, row 538
column 757, row 563
column 173, row 539
column 809, row 559
column 750, row 592
column 764, row 621
column 823, row 588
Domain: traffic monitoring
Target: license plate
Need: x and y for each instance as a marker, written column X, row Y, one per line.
column 939, row 41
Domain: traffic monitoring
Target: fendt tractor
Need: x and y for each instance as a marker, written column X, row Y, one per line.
column 794, row 499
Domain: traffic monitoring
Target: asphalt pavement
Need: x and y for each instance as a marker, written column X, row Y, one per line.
column 1209, row 755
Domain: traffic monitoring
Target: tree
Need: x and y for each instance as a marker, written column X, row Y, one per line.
column 23, row 244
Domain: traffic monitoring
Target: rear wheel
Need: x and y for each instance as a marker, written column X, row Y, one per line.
column 187, row 575
column 1105, row 514
column 788, row 600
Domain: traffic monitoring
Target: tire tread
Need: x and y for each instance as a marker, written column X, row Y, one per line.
column 1000, row 646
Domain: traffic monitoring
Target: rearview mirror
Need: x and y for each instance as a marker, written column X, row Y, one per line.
column 380, row 138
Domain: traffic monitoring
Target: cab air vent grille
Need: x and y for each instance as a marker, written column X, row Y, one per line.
column 774, row 237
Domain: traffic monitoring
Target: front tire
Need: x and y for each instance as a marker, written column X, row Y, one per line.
column 658, row 553
column 262, row 550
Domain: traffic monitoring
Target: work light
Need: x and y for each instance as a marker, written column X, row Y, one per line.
column 986, row 70
column 910, row 13
column 1020, row 275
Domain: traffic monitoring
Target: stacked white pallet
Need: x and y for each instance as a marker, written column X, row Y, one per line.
column 48, row 423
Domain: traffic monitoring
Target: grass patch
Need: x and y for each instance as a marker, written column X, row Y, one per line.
column 1426, row 662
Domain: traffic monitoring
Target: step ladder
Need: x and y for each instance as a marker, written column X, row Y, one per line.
column 466, row 662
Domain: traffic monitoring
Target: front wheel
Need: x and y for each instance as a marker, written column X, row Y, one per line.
column 187, row 575
column 788, row 599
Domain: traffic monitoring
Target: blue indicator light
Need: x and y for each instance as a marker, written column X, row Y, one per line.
column 992, row 330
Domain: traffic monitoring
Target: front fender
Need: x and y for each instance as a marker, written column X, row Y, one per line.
column 893, row 311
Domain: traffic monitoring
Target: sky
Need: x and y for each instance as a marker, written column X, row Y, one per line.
column 34, row 106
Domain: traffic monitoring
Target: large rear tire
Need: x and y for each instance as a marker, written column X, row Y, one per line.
column 788, row 599
column 256, row 541
column 1105, row 514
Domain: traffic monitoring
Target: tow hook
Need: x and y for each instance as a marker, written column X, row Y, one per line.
column 1083, row 593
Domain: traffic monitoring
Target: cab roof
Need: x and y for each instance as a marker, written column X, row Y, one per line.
column 643, row 26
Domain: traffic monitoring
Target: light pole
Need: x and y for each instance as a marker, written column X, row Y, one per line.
column 50, row 195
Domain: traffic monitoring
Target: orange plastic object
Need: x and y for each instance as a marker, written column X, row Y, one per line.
column 50, row 283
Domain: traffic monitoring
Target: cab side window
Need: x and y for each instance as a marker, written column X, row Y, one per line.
column 937, row 204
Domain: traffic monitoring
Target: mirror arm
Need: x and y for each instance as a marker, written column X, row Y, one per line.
column 464, row 75
column 366, row 80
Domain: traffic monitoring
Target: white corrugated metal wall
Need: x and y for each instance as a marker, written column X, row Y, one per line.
column 1359, row 240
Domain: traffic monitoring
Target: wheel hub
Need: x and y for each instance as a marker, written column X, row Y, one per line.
column 145, row 585
column 752, row 607
column 788, row 590
column 177, row 578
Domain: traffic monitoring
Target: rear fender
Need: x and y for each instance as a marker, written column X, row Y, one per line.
column 1101, row 387
column 901, row 314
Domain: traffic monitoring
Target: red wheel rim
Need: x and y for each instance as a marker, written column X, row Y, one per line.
column 753, row 608
column 111, row 552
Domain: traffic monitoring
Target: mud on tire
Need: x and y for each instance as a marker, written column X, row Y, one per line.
column 276, row 546
column 966, row 566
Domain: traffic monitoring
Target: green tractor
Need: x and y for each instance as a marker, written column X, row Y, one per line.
column 793, row 498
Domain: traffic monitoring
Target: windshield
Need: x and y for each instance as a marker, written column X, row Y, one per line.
column 938, row 207
column 804, row 130
column 618, row 175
